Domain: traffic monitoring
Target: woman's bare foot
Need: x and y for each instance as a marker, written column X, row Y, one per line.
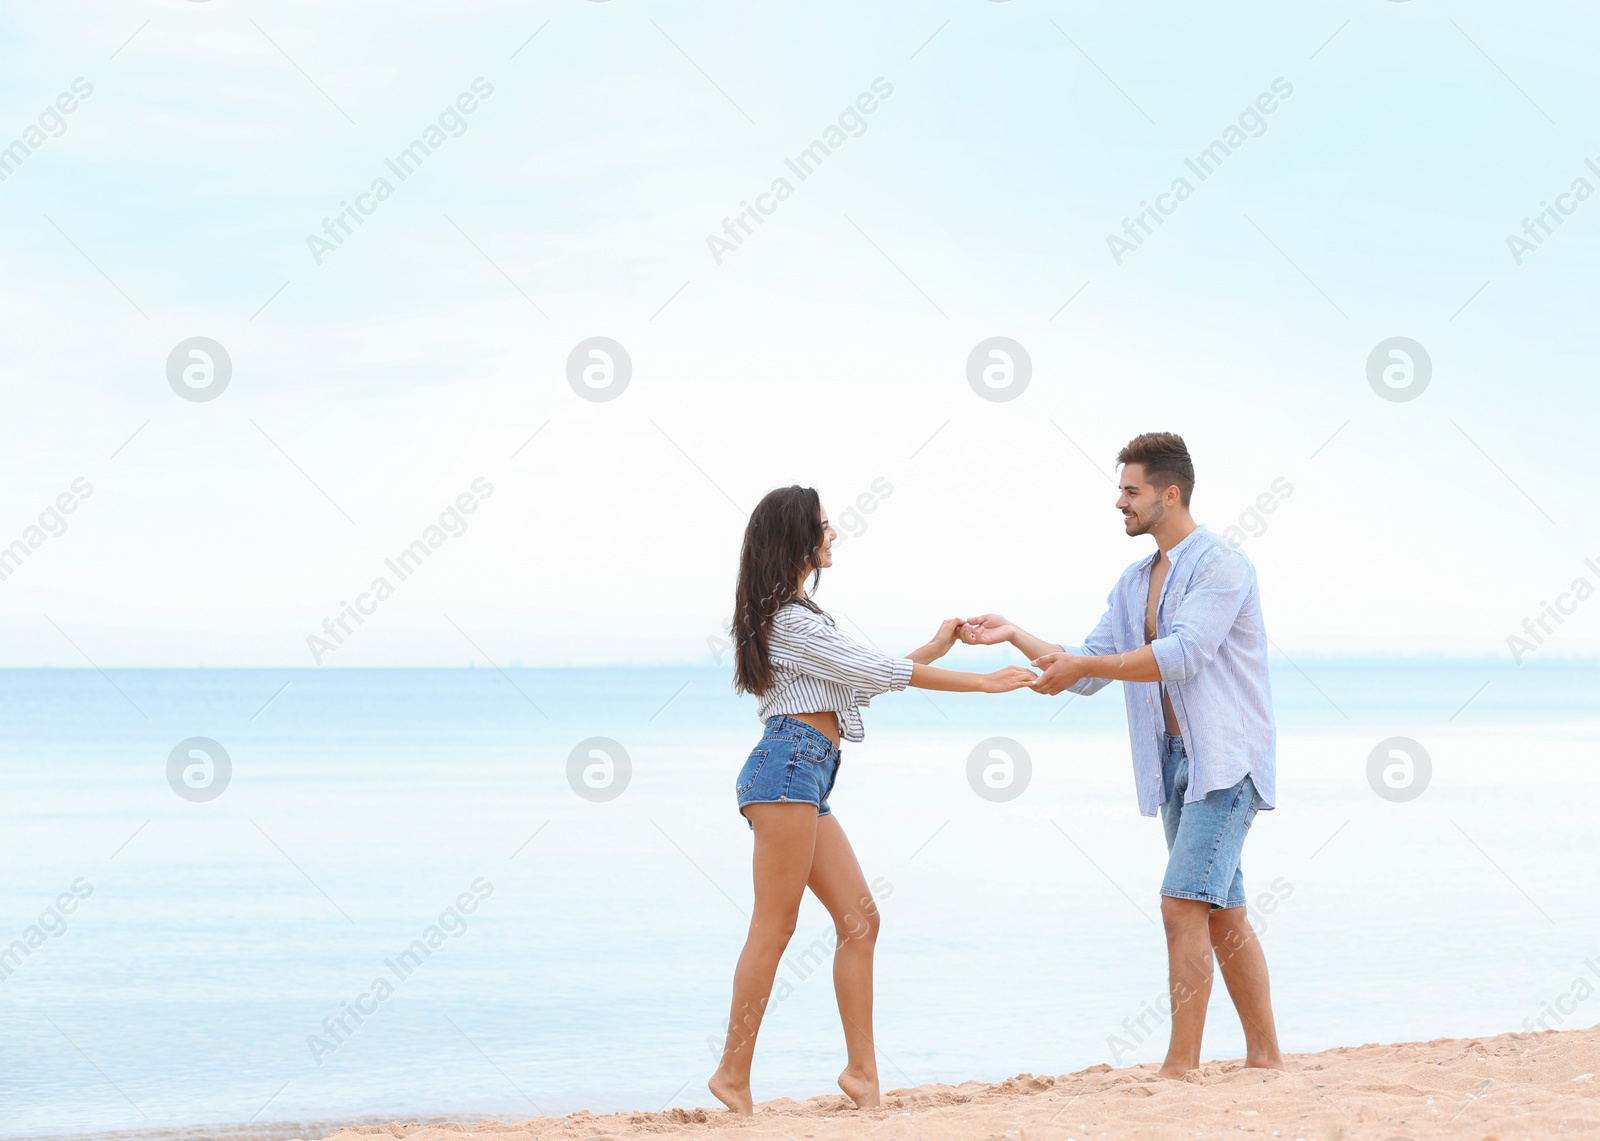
column 731, row 1093
column 1173, row 1071
column 860, row 1088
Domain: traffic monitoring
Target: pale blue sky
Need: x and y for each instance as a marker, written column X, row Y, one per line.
column 830, row 348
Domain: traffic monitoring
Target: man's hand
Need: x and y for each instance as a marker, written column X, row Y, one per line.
column 986, row 630
column 1059, row 671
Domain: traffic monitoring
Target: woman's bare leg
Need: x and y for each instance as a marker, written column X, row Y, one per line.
column 786, row 836
column 837, row 881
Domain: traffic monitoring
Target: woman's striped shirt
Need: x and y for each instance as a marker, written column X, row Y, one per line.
column 816, row 669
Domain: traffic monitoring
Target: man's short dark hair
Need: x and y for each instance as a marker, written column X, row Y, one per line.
column 1165, row 460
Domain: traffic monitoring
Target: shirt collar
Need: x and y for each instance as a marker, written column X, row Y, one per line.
column 1179, row 547
column 1188, row 540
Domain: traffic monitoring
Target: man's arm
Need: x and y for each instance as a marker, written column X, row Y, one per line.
column 1063, row 669
column 990, row 629
column 1202, row 620
column 1200, row 623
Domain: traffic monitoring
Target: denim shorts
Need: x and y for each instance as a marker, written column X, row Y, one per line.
column 793, row 763
column 1204, row 839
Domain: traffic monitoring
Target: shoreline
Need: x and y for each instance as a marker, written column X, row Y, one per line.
column 1513, row 1085
column 1506, row 1086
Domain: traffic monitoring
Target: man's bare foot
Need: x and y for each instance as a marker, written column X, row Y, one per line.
column 1273, row 1063
column 1173, row 1070
column 731, row 1093
column 860, row 1088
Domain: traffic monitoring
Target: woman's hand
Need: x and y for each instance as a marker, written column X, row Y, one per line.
column 939, row 645
column 986, row 630
column 1007, row 679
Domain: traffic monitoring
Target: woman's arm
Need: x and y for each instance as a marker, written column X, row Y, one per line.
column 820, row 650
column 959, row 681
column 829, row 654
column 938, row 645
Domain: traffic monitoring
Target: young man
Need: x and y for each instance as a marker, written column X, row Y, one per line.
column 1182, row 631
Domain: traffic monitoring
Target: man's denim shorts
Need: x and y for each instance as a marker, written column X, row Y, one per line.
column 1204, row 839
column 792, row 763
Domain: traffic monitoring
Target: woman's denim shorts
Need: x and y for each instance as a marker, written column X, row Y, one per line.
column 792, row 763
column 1204, row 839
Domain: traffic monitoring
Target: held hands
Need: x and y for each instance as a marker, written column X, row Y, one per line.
column 1060, row 671
column 1007, row 679
column 989, row 630
column 986, row 630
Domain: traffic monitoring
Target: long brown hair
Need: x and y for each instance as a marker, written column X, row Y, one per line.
column 780, row 542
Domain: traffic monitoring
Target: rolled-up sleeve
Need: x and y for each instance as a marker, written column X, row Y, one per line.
column 1203, row 617
column 824, row 652
column 1102, row 640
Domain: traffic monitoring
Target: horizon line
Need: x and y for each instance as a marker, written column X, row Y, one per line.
column 1428, row 658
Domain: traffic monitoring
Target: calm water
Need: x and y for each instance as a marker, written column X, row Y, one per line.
column 209, row 940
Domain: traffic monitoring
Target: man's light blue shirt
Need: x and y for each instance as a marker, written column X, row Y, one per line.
column 1211, row 651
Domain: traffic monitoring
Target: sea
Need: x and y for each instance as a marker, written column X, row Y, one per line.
column 257, row 903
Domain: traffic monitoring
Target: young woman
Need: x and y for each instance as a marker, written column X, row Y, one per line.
column 811, row 680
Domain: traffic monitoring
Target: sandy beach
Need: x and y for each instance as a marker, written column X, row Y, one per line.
column 1507, row 1086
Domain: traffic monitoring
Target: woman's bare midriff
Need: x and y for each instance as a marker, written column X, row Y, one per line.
column 827, row 723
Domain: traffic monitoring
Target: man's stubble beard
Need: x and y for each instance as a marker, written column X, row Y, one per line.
column 1144, row 525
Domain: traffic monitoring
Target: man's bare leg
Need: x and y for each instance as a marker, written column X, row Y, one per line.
column 1189, row 979
column 1244, row 971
